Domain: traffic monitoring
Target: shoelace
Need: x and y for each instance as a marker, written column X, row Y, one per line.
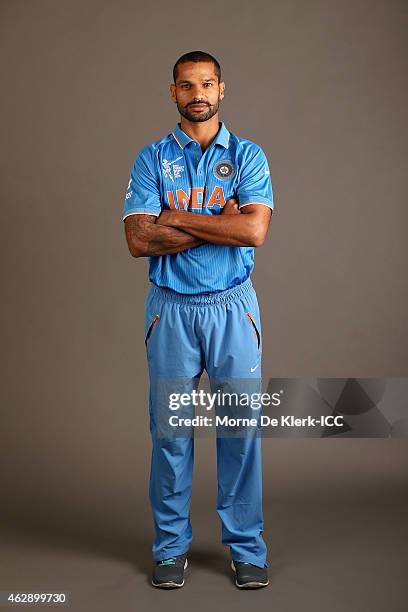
column 170, row 561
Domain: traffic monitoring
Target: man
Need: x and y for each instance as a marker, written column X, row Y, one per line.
column 198, row 201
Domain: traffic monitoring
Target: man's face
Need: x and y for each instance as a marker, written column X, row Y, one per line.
column 197, row 91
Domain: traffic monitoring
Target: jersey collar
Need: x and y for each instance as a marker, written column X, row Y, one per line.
column 182, row 139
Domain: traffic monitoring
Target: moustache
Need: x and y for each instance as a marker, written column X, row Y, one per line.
column 194, row 103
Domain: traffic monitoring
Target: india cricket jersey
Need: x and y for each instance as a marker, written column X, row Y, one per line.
column 174, row 173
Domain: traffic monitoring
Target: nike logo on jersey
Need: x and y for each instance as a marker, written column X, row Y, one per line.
column 253, row 369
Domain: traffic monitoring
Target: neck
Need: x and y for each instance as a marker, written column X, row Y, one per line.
column 203, row 132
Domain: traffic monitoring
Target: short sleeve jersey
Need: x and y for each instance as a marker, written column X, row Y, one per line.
column 174, row 173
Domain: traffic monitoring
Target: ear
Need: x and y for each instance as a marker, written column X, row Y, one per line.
column 173, row 92
column 222, row 90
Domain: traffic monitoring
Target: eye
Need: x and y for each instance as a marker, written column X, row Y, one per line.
column 185, row 86
column 208, row 84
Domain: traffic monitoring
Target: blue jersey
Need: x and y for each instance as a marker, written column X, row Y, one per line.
column 173, row 173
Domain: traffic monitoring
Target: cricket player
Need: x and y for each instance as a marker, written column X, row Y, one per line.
column 199, row 201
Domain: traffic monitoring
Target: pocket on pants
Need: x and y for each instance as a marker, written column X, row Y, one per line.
column 151, row 328
column 254, row 329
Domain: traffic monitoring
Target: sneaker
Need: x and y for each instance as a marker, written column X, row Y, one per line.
column 169, row 573
column 249, row 576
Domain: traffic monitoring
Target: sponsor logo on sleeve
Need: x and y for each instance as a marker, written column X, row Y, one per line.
column 128, row 190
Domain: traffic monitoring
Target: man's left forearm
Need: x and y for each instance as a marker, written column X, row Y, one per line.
column 231, row 230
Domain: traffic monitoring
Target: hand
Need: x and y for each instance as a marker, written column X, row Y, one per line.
column 231, row 207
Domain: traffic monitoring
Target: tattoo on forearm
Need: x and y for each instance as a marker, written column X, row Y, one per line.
column 158, row 239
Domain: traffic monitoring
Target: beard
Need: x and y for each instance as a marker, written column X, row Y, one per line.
column 198, row 117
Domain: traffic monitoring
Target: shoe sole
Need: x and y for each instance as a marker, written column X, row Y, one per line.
column 249, row 585
column 170, row 585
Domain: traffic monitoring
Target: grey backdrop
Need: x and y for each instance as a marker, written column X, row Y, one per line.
column 322, row 87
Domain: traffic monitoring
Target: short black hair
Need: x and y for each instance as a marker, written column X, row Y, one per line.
column 197, row 56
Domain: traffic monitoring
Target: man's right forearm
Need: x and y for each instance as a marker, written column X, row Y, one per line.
column 145, row 238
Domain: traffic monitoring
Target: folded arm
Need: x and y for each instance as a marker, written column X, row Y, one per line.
column 146, row 238
column 248, row 227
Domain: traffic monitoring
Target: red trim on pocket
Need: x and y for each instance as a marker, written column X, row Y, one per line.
column 254, row 327
column 149, row 331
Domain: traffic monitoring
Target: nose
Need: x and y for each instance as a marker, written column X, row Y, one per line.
column 198, row 92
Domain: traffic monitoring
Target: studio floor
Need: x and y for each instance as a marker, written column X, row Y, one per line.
column 338, row 545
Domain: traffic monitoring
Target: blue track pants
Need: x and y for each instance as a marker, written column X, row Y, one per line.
column 185, row 334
